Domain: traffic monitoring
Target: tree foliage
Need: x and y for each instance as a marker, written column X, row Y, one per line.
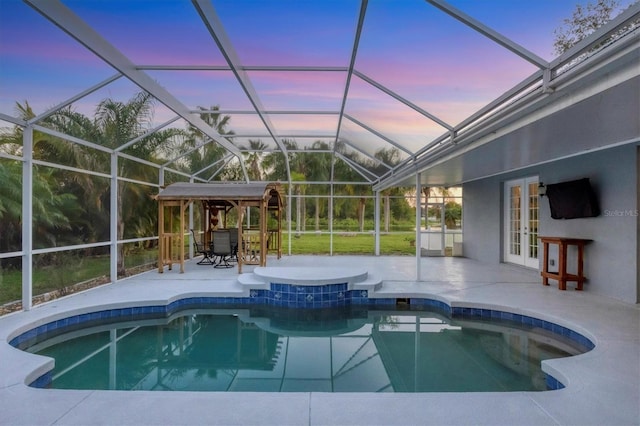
column 584, row 21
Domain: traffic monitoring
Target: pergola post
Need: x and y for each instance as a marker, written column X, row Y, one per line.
column 183, row 205
column 161, row 236
column 264, row 211
column 241, row 210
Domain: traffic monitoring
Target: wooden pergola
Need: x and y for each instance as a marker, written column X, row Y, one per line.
column 221, row 198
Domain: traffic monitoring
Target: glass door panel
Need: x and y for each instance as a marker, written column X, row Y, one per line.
column 521, row 222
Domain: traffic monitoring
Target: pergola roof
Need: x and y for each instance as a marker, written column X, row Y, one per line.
column 422, row 79
column 219, row 191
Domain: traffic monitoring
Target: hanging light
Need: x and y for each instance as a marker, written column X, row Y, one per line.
column 542, row 190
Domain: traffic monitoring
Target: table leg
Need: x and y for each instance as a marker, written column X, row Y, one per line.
column 580, row 266
column 545, row 265
column 562, row 267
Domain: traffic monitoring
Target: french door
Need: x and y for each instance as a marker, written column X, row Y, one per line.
column 521, row 222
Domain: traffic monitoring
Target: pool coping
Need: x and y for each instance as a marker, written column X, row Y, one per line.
column 589, row 378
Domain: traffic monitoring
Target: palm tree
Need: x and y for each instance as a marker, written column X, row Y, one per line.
column 57, row 221
column 390, row 157
column 344, row 172
column 274, row 164
column 207, row 153
column 118, row 123
column 318, row 168
column 253, row 159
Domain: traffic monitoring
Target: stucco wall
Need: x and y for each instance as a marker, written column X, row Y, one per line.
column 611, row 261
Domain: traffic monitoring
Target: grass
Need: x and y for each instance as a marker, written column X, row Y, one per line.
column 69, row 269
column 348, row 243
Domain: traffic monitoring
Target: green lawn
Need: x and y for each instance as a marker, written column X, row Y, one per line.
column 348, row 243
column 73, row 269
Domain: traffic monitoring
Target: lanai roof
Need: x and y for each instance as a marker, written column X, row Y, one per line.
column 428, row 80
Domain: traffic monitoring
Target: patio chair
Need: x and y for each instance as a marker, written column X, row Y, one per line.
column 199, row 248
column 222, row 248
column 233, row 238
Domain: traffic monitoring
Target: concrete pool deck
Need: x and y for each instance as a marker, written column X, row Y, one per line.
column 602, row 386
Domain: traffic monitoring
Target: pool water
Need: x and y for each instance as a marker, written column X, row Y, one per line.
column 285, row 350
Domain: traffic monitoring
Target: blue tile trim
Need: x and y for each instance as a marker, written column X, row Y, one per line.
column 292, row 296
column 300, row 296
column 552, row 383
column 525, row 320
column 43, row 381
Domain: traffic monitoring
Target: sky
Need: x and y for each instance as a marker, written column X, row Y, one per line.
column 408, row 46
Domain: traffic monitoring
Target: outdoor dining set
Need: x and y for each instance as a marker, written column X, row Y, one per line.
column 222, row 251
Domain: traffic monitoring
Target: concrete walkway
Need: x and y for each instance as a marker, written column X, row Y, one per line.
column 602, row 386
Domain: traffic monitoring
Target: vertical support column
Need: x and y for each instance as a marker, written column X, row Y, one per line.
column 289, row 217
column 161, row 224
column 331, row 192
column 27, row 218
column 418, row 224
column 190, row 226
column 376, row 223
column 113, row 219
column 443, row 224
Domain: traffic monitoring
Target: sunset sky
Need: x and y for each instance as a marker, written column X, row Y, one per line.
column 408, row 46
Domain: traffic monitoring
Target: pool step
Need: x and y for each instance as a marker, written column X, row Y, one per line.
column 252, row 281
column 261, row 279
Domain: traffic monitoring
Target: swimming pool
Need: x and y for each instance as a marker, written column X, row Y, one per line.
column 199, row 346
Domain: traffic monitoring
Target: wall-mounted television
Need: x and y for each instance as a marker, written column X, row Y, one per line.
column 573, row 199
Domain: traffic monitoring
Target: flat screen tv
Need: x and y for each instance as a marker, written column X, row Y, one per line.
column 573, row 199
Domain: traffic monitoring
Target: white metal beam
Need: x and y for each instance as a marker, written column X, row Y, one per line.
column 146, row 134
column 214, row 25
column 13, row 120
column 376, row 224
column 269, row 112
column 418, row 226
column 70, row 23
column 369, row 156
column 403, row 100
column 490, row 33
column 73, row 139
column 352, row 62
column 75, row 98
column 378, row 134
column 356, row 167
column 27, row 219
column 113, row 220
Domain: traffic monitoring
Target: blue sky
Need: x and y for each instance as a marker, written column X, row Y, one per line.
column 408, row 46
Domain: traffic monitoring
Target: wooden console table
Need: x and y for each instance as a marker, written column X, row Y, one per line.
column 562, row 276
